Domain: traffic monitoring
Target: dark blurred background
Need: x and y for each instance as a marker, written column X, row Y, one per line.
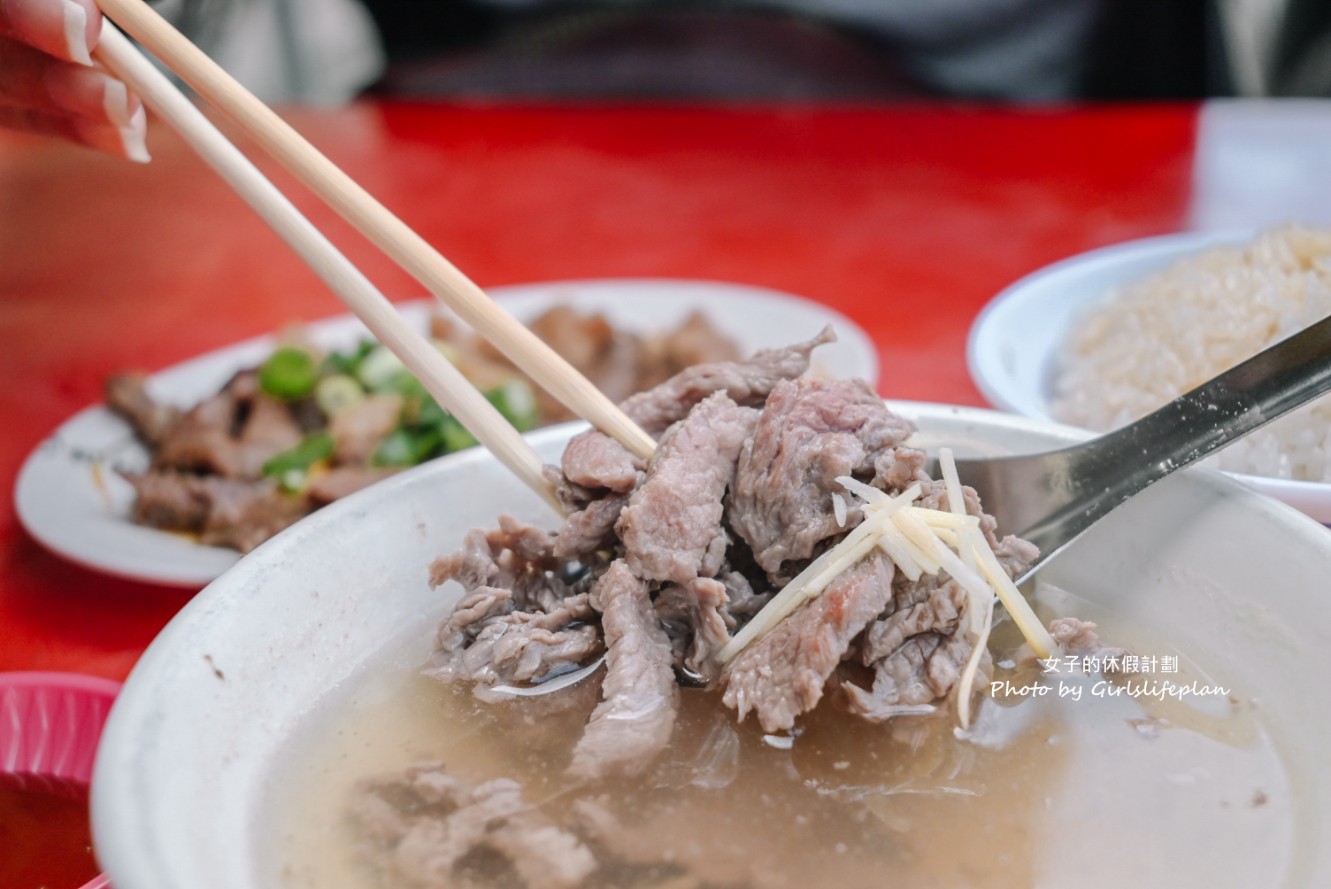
column 1001, row 50
column 988, row 49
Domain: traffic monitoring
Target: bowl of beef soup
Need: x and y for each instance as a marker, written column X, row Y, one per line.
column 281, row 732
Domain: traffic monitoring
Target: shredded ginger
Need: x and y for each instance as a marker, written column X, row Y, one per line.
column 919, row 541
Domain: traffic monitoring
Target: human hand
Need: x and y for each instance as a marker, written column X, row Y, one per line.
column 48, row 84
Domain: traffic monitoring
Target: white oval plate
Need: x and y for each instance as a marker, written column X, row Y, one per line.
column 210, row 709
column 1015, row 341
column 71, row 500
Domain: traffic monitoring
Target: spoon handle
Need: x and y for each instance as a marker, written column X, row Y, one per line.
column 1222, row 410
column 1054, row 497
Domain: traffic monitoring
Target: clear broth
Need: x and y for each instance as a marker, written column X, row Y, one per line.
column 1108, row 789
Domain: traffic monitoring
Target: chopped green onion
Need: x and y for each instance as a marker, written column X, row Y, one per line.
column 291, row 467
column 406, row 385
column 348, row 362
column 514, row 399
column 379, row 369
column 406, row 447
column 429, row 413
column 454, row 435
column 337, row 393
column 289, row 373
column 293, row 481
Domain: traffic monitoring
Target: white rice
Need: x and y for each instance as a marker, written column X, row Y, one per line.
column 1155, row 339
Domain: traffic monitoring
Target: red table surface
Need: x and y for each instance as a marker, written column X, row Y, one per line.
column 906, row 218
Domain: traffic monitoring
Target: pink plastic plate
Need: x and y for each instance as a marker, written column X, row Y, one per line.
column 50, row 724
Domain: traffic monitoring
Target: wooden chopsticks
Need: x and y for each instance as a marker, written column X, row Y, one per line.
column 444, row 381
column 372, row 219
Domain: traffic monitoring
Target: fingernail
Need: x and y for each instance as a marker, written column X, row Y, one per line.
column 127, row 141
column 117, row 105
column 134, row 135
column 87, row 92
column 76, row 31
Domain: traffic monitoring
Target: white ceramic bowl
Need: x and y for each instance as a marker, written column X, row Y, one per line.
column 1015, row 341
column 188, row 757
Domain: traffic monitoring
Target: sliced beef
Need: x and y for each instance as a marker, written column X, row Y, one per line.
column 742, row 602
column 633, row 722
column 572, row 496
column 544, row 856
column 171, row 501
column 245, row 515
column 916, row 652
column 672, row 528
column 921, row 671
column 487, row 642
column 232, row 434
column 580, row 339
column 515, row 556
column 666, row 566
column 204, row 439
column 590, row 529
column 523, row 647
column 342, row 481
column 747, row 383
column 359, row 429
column 1015, row 554
column 784, row 674
column 268, row 429
column 224, row 512
column 1081, row 638
column 593, row 463
column 474, row 565
column 595, row 460
column 618, row 362
column 518, row 620
column 127, row 395
column 610, row 357
column 427, row 825
column 619, row 369
column 695, row 618
column 206, row 474
column 922, row 606
column 811, row 432
column 534, row 545
column 1074, row 635
column 695, row 341
column 896, row 469
column 481, row 605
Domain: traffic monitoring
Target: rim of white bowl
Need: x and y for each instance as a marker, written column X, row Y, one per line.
column 992, row 324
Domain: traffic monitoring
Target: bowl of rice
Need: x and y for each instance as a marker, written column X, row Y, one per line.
column 1103, row 338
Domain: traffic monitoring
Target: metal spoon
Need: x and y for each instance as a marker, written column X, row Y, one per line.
column 1055, row 496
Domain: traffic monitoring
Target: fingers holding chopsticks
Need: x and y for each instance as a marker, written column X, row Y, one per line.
column 63, row 29
column 48, row 85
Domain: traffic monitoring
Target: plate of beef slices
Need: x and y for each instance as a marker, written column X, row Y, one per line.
column 184, row 470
